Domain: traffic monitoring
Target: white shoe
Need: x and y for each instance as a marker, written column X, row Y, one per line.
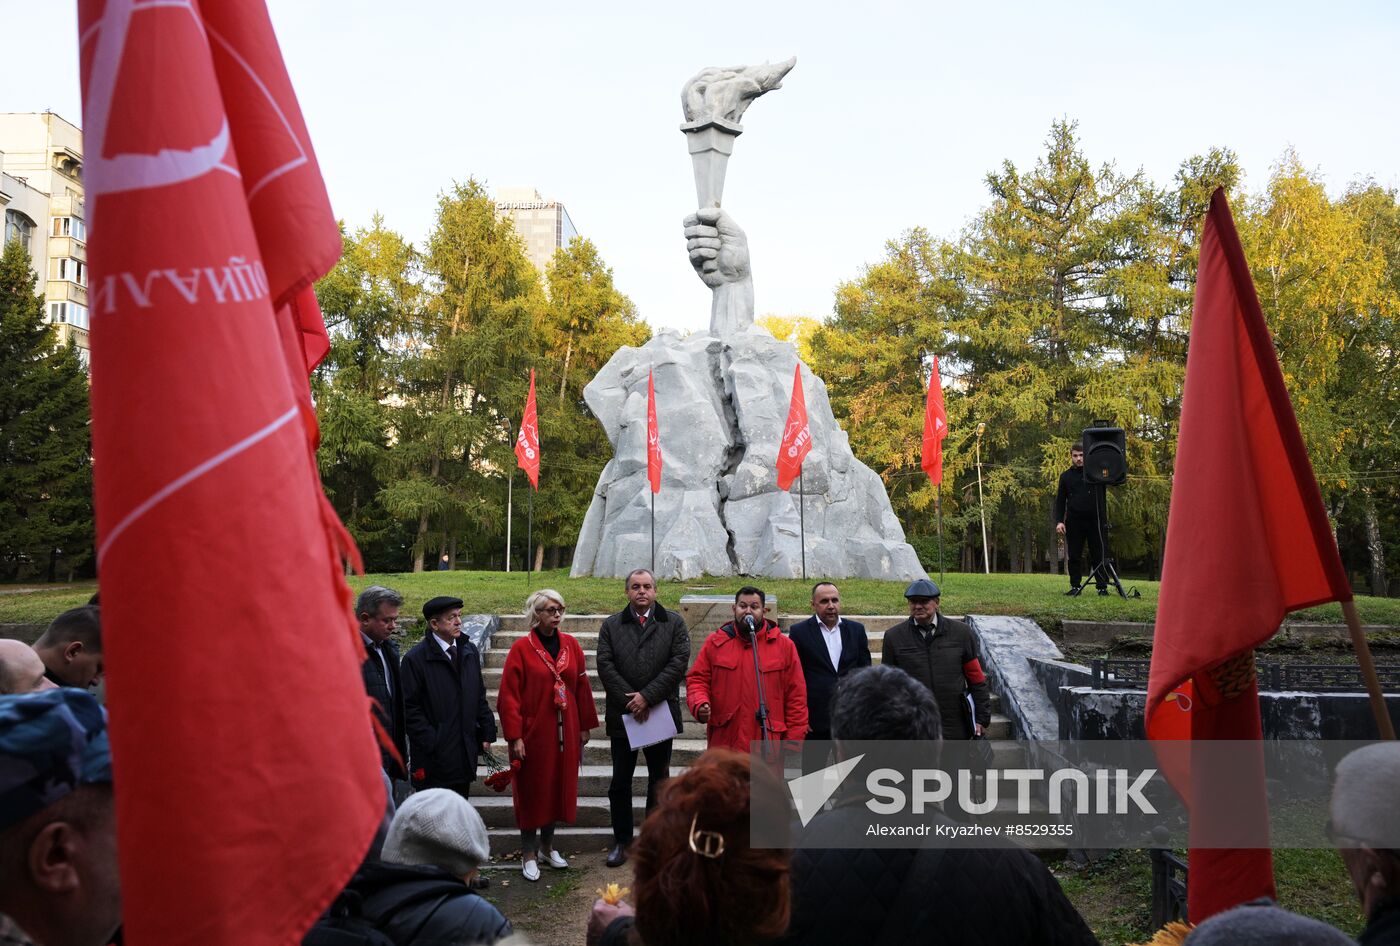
column 531, row 870
column 556, row 860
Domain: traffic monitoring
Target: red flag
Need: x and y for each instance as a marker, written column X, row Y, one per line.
column 797, row 436
column 247, row 801
column 935, row 426
column 527, row 442
column 653, row 437
column 1247, row 542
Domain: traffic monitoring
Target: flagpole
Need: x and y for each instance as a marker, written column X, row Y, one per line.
column 938, row 505
column 653, row 536
column 1368, row 671
column 530, row 539
column 802, row 519
column 510, row 498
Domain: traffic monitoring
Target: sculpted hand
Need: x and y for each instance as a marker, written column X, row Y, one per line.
column 718, row 249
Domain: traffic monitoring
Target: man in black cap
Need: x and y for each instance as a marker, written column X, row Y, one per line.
column 942, row 655
column 445, row 708
column 58, row 831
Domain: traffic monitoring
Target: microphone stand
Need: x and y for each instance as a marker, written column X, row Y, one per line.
column 762, row 714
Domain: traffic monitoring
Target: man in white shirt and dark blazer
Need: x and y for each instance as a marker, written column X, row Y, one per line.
column 829, row 647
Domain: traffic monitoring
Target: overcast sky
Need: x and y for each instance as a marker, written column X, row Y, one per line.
column 891, row 119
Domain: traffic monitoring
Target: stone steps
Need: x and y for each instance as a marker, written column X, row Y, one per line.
column 585, row 629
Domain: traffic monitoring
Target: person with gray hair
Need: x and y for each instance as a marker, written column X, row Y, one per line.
column 1365, row 825
column 377, row 610
column 546, row 707
column 643, row 653
column 993, row 896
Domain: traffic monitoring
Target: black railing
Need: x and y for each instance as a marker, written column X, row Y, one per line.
column 1273, row 677
column 1168, row 888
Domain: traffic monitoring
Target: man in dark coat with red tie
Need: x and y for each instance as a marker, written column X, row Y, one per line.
column 445, row 709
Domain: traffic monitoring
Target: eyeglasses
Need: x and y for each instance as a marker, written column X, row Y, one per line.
column 555, row 610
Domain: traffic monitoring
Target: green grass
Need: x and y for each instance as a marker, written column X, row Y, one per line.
column 1036, row 596
column 1115, row 897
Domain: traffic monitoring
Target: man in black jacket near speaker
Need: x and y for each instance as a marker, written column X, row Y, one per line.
column 1076, row 518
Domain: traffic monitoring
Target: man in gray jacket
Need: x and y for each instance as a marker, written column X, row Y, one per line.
column 643, row 652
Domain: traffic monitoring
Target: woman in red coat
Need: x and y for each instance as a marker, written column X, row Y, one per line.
column 546, row 708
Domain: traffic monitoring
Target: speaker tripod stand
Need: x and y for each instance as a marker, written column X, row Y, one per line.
column 1103, row 572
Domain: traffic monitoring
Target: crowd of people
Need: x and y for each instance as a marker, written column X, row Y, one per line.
column 697, row 878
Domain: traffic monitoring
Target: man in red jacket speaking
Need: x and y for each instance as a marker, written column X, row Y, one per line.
column 721, row 688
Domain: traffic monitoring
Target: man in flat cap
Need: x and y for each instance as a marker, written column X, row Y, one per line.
column 942, row 655
column 1365, row 825
column 58, row 832
column 444, row 697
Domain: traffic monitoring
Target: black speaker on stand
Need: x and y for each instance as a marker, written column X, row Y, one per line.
column 1105, row 465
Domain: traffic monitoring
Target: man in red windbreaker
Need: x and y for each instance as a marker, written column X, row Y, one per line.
column 721, row 689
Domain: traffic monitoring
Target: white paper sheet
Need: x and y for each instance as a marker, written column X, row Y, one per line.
column 660, row 726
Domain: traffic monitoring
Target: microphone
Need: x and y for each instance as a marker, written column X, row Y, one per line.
column 749, row 624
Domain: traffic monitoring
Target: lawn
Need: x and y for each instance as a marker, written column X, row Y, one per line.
column 1036, row 596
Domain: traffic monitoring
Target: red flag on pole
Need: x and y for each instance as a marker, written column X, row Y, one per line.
column 935, row 426
column 527, row 442
column 246, row 802
column 653, row 437
column 797, row 436
column 1247, row 542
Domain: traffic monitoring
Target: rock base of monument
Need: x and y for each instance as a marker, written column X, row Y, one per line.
column 722, row 405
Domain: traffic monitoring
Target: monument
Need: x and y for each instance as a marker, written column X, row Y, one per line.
column 722, row 401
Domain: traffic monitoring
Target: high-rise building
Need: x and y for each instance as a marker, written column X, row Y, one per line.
column 544, row 225
column 41, row 191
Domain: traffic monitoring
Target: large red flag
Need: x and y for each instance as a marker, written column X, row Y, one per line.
column 935, row 426
column 797, row 436
column 527, row 441
column 1247, row 541
column 247, row 797
column 653, row 437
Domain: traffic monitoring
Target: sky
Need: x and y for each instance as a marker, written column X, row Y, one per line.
column 891, row 119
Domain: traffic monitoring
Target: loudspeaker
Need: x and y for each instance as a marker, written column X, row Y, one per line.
column 1105, row 456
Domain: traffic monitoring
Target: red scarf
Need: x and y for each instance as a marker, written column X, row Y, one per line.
column 561, row 692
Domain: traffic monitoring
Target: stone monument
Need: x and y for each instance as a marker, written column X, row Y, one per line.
column 722, row 402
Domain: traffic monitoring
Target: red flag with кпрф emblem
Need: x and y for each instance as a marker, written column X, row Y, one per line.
column 527, row 442
column 797, row 436
column 245, row 804
column 653, row 437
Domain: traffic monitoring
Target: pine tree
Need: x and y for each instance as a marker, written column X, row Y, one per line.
column 45, row 446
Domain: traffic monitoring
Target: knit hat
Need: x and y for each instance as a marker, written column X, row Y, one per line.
column 438, row 827
column 51, row 742
column 1363, row 796
column 1265, row 923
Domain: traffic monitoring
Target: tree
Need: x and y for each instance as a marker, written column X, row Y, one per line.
column 797, row 329
column 370, row 301
column 46, row 464
column 584, row 323
column 465, row 375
